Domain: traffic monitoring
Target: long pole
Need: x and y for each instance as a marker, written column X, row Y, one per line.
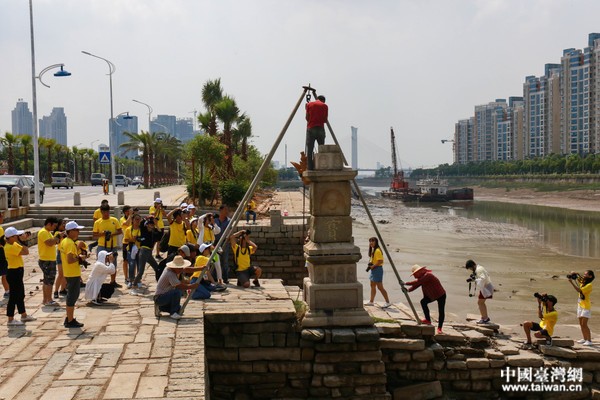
column 36, row 155
column 111, row 133
column 242, row 205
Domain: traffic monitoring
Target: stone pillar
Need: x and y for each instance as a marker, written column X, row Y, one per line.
column 26, row 199
column 121, row 198
column 334, row 296
column 76, row 198
column 14, row 197
column 276, row 220
column 157, row 195
column 3, row 199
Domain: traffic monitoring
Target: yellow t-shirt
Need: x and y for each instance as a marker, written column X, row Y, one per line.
column 47, row 253
column 209, row 235
column 123, row 221
column 68, row 246
column 586, row 291
column 376, row 256
column 243, row 258
column 12, row 252
column 159, row 223
column 130, row 232
column 548, row 321
column 200, row 262
column 177, row 238
column 189, row 235
column 251, row 206
column 111, row 224
column 1, row 231
column 97, row 214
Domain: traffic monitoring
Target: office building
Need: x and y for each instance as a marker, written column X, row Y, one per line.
column 354, row 147
column 184, row 129
column 124, row 123
column 54, row 126
column 22, row 119
column 164, row 124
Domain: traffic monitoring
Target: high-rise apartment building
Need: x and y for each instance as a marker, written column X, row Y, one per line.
column 22, row 119
column 463, row 140
column 54, row 126
column 184, row 129
column 164, row 124
column 484, row 129
column 124, row 123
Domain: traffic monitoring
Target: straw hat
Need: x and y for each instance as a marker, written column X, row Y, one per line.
column 178, row 262
column 416, row 268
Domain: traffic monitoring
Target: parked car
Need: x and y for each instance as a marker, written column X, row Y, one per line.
column 137, row 180
column 128, row 180
column 20, row 181
column 121, row 180
column 97, row 178
column 61, row 178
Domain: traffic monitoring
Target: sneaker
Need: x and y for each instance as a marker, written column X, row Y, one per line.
column 156, row 310
column 139, row 285
column 52, row 304
column 115, row 284
column 526, row 345
column 426, row 321
column 158, row 257
column 28, row 318
column 588, row 343
column 255, row 283
column 96, row 302
column 549, row 342
column 73, row 324
column 175, row 316
column 581, row 341
column 56, row 295
column 128, row 285
column 483, row 321
column 7, row 293
column 133, row 292
column 386, row 305
column 439, row 331
column 369, row 303
column 63, row 292
column 220, row 288
column 14, row 322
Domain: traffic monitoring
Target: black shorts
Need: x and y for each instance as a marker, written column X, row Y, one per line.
column 73, row 288
column 245, row 275
column 537, row 328
column 49, row 270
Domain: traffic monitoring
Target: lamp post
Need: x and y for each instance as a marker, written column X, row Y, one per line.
column 62, row 72
column 111, row 70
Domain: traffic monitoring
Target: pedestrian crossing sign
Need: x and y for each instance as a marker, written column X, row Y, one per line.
column 104, row 157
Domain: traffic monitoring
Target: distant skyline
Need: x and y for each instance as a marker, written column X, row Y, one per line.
column 416, row 66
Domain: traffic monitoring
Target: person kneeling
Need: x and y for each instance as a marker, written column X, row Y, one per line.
column 241, row 255
column 548, row 316
column 96, row 290
column 168, row 289
column 206, row 280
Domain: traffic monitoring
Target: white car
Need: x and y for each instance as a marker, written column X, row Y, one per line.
column 121, row 180
column 137, row 180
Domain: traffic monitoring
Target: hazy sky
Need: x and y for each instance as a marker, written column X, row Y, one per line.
column 417, row 66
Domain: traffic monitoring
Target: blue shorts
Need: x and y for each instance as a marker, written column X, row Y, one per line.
column 376, row 274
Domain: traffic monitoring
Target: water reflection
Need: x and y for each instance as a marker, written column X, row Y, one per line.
column 570, row 232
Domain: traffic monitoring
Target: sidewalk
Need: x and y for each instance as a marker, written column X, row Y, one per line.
column 170, row 195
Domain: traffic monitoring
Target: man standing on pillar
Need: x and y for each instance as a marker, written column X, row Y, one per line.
column 316, row 116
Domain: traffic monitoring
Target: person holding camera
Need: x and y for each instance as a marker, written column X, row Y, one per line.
column 125, row 222
column 548, row 316
column 176, row 230
column 71, row 260
column 251, row 210
column 3, row 269
column 167, row 296
column 486, row 288
column 47, row 241
column 584, row 305
column 60, row 287
column 131, row 247
column 432, row 291
column 242, row 249
column 375, row 267
column 14, row 250
column 157, row 211
column 147, row 238
column 96, row 290
column 106, row 229
column 208, row 236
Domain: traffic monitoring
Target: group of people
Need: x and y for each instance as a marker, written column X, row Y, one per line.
column 189, row 242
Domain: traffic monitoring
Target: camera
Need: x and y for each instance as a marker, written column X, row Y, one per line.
column 247, row 232
column 542, row 297
column 472, row 278
column 369, row 265
column 107, row 236
column 573, row 276
column 82, row 261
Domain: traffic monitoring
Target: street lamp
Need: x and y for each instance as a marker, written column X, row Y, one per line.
column 92, row 144
column 111, row 70
column 62, row 72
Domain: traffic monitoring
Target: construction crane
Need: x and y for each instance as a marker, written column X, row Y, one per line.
column 398, row 183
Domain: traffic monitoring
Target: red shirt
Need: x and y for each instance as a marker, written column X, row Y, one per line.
column 432, row 288
column 316, row 113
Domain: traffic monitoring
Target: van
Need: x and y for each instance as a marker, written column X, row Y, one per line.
column 97, row 178
column 61, row 178
column 121, row 180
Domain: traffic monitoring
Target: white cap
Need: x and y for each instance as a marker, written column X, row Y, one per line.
column 12, row 231
column 203, row 247
column 73, row 225
column 193, row 220
column 191, row 206
column 158, row 200
column 183, row 205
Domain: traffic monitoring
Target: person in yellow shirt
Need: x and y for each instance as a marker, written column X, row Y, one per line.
column 125, row 222
column 106, row 229
column 69, row 253
column 176, row 230
column 375, row 268
column 192, row 233
column 584, row 304
column 241, row 256
column 158, row 212
column 97, row 216
column 47, row 241
column 207, row 282
column 14, row 252
column 131, row 245
column 3, row 268
column 548, row 315
column 251, row 210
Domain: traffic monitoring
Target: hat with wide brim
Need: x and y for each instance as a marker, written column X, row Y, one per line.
column 416, row 268
column 178, row 262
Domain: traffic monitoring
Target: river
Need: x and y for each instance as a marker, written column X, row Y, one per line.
column 525, row 249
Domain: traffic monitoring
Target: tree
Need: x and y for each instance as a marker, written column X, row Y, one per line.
column 74, row 152
column 204, row 120
column 58, row 149
column 9, row 140
column 82, row 153
column 26, row 142
column 139, row 142
column 91, row 154
column 243, row 132
column 207, row 151
column 227, row 111
column 212, row 94
column 48, row 144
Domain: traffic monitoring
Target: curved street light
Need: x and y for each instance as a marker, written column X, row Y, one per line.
column 111, row 70
column 62, row 72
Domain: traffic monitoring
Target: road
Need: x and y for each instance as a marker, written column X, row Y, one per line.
column 60, row 194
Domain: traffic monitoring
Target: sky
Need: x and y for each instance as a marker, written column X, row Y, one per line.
column 415, row 65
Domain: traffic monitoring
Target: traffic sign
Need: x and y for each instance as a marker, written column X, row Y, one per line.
column 104, row 157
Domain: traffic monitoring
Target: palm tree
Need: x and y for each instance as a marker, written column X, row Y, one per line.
column 82, row 153
column 243, row 132
column 204, row 121
column 139, row 142
column 74, row 152
column 58, row 148
column 212, row 94
column 9, row 140
column 49, row 145
column 26, row 141
column 91, row 154
column 227, row 112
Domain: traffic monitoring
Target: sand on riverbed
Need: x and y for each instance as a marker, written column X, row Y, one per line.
column 585, row 200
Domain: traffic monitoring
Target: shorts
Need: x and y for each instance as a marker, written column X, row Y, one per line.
column 376, row 274
column 537, row 328
column 482, row 297
column 245, row 275
column 582, row 312
column 73, row 288
column 49, row 270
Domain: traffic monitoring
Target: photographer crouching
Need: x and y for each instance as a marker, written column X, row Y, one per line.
column 584, row 305
column 548, row 316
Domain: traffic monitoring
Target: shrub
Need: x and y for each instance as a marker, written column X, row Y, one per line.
column 232, row 192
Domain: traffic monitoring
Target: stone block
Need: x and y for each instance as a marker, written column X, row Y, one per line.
column 332, row 273
column 401, row 356
column 421, row 391
column 557, row 351
column 402, row 344
column 345, row 335
column 438, row 365
column 423, row 355
column 3, row 199
column 323, row 369
column 312, row 335
column 481, row 386
column 388, row 328
column 337, row 380
column 495, row 354
column 456, row 364
column 25, row 199
column 497, row 363
column 331, row 229
column 330, row 199
column 417, row 366
column 289, row 366
column 361, row 380
column 488, row 373
column 527, row 359
column 462, row 385
column 473, row 363
column 588, row 354
column 329, row 161
column 557, row 342
column 333, row 296
column 372, row 368
column 308, row 354
column 14, row 197
column 366, row 334
column 509, row 350
column 358, row 356
column 330, row 347
column 266, row 339
column 255, row 354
